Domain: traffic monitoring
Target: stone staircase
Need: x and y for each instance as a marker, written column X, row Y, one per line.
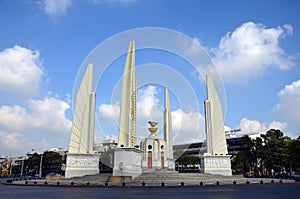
column 155, row 178
column 175, row 177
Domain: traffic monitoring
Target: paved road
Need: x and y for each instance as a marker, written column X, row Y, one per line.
column 257, row 191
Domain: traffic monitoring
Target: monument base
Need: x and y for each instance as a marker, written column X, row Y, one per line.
column 127, row 162
column 216, row 164
column 79, row 165
column 171, row 164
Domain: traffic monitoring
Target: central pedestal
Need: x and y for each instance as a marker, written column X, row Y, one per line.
column 216, row 164
column 79, row 165
column 127, row 162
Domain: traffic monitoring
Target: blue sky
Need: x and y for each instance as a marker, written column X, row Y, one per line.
column 254, row 45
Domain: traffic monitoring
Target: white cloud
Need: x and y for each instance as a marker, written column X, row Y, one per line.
column 20, row 72
column 47, row 115
column 147, row 106
column 15, row 144
column 109, row 112
column 68, row 98
column 249, row 50
column 251, row 126
column 290, row 90
column 289, row 28
column 277, row 125
column 12, row 143
column 147, row 103
column 50, row 113
column 13, row 117
column 56, row 7
column 289, row 105
column 147, row 109
column 187, row 127
column 44, row 121
column 26, row 123
column 254, row 126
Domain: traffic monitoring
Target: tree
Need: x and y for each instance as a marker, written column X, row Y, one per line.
column 244, row 159
column 31, row 165
column 52, row 162
column 276, row 145
column 294, row 155
column 260, row 154
column 272, row 151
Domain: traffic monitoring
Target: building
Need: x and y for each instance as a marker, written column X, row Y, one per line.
column 182, row 152
column 106, row 155
column 15, row 165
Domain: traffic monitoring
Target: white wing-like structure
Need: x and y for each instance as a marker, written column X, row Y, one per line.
column 215, row 133
column 82, row 133
column 81, row 158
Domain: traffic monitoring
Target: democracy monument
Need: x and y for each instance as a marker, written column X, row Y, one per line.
column 153, row 153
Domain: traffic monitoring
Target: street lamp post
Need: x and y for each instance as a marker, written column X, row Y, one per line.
column 22, row 167
column 41, row 164
column 11, row 165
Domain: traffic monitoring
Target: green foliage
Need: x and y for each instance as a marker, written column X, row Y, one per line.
column 51, row 162
column 276, row 150
column 33, row 161
column 246, row 156
column 294, row 154
column 52, row 157
column 188, row 159
column 272, row 151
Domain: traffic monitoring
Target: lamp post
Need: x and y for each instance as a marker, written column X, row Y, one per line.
column 41, row 164
column 22, row 167
column 11, row 165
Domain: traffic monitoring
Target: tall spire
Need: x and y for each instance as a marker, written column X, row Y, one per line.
column 168, row 126
column 214, row 123
column 127, row 126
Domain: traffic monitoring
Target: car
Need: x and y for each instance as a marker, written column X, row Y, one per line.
column 53, row 174
column 296, row 177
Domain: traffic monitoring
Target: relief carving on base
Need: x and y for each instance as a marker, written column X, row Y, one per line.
column 217, row 163
column 82, row 162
